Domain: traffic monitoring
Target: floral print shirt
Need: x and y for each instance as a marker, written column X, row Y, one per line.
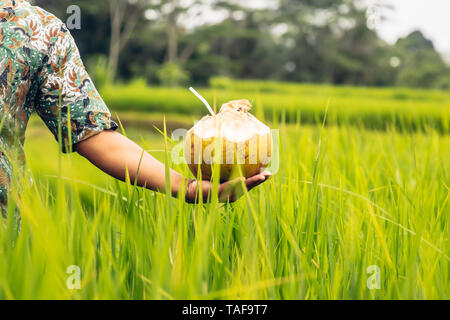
column 41, row 71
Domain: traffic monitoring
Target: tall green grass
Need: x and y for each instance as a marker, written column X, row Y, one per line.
column 373, row 108
column 343, row 200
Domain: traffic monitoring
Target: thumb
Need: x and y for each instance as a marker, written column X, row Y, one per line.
column 256, row 180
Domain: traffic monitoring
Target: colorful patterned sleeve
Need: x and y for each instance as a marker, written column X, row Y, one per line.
column 67, row 98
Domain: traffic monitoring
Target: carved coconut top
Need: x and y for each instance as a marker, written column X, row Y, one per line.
column 233, row 122
column 236, row 106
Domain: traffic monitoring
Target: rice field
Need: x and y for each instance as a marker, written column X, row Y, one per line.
column 373, row 108
column 352, row 213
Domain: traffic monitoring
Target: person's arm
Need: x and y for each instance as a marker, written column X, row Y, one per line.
column 64, row 85
column 114, row 154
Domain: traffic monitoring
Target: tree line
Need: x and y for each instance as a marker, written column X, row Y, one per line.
column 177, row 42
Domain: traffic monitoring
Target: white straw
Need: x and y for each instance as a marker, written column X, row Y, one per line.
column 203, row 100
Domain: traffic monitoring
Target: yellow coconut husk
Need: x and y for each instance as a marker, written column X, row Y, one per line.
column 244, row 141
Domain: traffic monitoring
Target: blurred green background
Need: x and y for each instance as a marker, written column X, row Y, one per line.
column 177, row 42
column 289, row 55
column 370, row 187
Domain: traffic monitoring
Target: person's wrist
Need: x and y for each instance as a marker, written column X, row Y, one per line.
column 191, row 191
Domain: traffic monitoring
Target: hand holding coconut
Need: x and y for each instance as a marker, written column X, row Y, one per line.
column 121, row 158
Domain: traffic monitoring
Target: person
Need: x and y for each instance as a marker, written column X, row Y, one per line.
column 41, row 71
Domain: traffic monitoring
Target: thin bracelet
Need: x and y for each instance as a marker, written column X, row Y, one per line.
column 189, row 182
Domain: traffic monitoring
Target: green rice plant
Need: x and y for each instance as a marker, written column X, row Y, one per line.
column 344, row 202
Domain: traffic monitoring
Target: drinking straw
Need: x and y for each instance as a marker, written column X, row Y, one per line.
column 203, row 100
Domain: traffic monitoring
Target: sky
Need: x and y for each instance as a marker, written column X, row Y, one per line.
column 432, row 17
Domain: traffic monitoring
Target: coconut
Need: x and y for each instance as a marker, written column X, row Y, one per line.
column 244, row 142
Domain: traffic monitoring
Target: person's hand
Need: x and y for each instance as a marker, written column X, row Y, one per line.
column 228, row 192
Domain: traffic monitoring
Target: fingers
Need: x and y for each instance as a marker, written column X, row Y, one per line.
column 233, row 190
column 192, row 192
column 255, row 181
column 266, row 174
column 229, row 191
